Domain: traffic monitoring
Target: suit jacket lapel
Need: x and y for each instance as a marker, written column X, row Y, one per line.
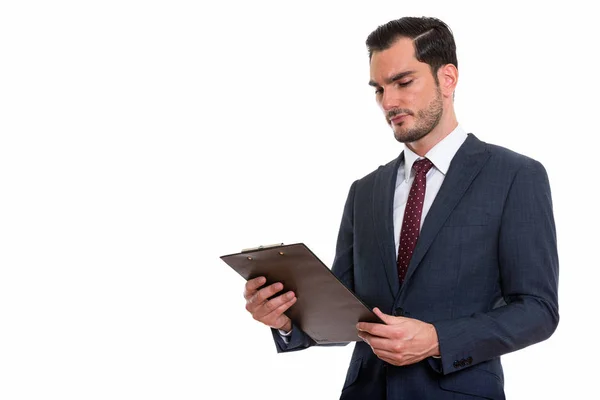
column 465, row 166
column 383, row 218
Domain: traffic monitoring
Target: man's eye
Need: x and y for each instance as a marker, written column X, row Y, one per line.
column 379, row 91
column 403, row 84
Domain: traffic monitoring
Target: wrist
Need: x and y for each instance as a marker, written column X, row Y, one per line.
column 287, row 327
column 435, row 344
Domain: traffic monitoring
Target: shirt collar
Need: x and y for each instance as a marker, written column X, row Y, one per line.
column 440, row 155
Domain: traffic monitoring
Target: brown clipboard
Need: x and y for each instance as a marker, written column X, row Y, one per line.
column 326, row 310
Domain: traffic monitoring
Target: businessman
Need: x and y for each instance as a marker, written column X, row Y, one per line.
column 453, row 242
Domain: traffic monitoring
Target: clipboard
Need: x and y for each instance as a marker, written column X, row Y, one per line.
column 326, row 310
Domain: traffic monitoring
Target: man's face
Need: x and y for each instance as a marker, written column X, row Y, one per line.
column 406, row 91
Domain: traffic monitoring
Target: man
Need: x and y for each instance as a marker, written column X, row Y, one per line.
column 480, row 281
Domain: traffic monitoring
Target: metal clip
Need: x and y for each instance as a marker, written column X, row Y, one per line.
column 268, row 246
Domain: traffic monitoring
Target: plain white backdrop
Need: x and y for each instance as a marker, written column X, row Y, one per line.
column 141, row 140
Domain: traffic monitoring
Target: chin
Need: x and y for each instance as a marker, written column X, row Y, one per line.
column 402, row 139
column 402, row 134
column 408, row 135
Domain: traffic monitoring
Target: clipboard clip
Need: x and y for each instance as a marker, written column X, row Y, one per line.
column 267, row 246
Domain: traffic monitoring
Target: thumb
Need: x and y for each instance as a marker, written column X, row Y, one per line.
column 388, row 319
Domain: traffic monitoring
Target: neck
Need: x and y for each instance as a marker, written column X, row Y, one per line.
column 446, row 125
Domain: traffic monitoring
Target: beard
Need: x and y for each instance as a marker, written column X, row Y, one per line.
column 425, row 121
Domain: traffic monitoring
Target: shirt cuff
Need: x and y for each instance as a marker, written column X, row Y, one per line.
column 285, row 336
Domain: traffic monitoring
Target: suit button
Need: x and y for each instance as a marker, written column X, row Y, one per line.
column 456, row 364
column 469, row 360
column 398, row 312
column 463, row 362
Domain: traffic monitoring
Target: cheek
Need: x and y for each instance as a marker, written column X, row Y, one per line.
column 417, row 95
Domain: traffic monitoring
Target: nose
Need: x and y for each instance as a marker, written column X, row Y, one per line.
column 389, row 100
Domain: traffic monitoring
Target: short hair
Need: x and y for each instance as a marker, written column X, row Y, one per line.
column 432, row 39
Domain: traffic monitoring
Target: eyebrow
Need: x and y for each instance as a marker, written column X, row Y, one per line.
column 392, row 79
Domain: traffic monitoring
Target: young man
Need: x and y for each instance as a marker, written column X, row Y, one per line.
column 453, row 242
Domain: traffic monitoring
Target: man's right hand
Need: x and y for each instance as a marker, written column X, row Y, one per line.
column 269, row 312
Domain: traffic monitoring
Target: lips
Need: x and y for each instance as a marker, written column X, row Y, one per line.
column 398, row 118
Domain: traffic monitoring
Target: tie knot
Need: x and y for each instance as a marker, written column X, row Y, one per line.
column 422, row 166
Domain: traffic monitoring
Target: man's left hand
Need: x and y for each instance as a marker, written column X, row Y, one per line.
column 400, row 341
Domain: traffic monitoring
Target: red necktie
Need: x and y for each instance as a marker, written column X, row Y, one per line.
column 411, row 224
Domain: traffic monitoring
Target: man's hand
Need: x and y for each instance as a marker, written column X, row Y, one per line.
column 269, row 312
column 400, row 341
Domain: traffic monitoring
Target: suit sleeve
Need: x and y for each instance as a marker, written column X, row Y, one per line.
column 528, row 264
column 342, row 268
column 343, row 263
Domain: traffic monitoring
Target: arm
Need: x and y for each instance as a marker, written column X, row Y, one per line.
column 528, row 263
column 343, row 264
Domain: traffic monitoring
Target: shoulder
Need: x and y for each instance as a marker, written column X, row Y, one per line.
column 510, row 161
column 387, row 170
column 380, row 179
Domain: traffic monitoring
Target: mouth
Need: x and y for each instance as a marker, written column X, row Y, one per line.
column 398, row 118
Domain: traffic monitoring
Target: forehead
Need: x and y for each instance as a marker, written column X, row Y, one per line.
column 398, row 58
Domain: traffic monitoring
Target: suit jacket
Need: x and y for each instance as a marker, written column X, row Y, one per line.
column 484, row 272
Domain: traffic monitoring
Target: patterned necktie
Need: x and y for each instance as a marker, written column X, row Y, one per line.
column 411, row 224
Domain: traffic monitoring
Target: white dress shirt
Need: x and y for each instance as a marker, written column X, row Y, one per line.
column 440, row 155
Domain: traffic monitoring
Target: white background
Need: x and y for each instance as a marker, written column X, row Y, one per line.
column 141, row 140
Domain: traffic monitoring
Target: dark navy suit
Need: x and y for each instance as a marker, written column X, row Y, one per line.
column 484, row 272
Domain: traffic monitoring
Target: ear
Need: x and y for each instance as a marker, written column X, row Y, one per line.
column 448, row 78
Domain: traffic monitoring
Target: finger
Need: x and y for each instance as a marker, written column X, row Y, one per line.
column 277, row 316
column 389, row 360
column 388, row 354
column 252, row 285
column 263, row 294
column 388, row 319
column 273, row 304
column 377, row 343
column 365, row 337
column 380, row 330
column 392, row 358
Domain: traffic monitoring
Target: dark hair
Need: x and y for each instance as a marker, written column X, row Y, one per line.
column 432, row 39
